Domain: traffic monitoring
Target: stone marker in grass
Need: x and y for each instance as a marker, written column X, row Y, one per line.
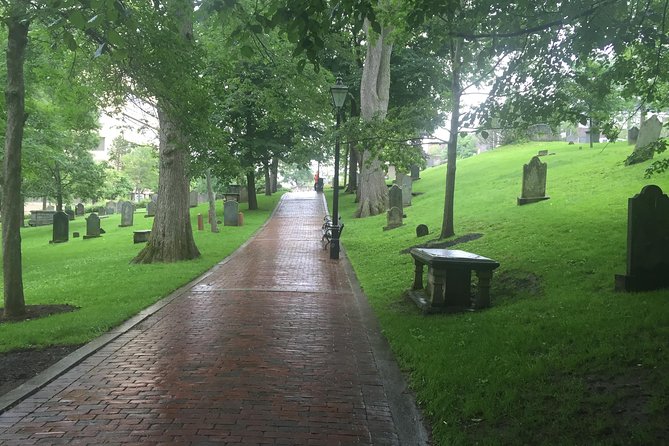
column 415, row 172
column 394, row 219
column 648, row 133
column 79, row 209
column 70, row 214
column 647, row 242
column 61, row 227
column 404, row 181
column 231, row 213
column 150, row 209
column 193, row 197
column 534, row 182
column 92, row 226
column 111, row 207
column 632, row 135
column 127, row 214
column 422, row 230
column 395, row 198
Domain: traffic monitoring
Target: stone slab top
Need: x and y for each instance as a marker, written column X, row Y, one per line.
column 444, row 257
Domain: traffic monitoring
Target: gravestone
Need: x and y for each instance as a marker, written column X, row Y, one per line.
column 422, row 230
column 632, row 135
column 243, row 194
column 119, row 206
column 127, row 214
column 392, row 172
column 92, row 226
column 41, row 218
column 111, row 210
column 150, row 209
column 231, row 213
column 542, row 153
column 61, row 227
column 70, row 214
column 394, row 216
column 193, row 198
column 79, row 209
column 102, row 211
column 111, row 207
column 647, row 242
column 534, row 182
column 395, row 198
column 415, row 172
column 154, row 198
column 648, row 133
column 404, row 181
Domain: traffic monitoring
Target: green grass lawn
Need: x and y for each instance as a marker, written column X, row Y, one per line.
column 96, row 275
column 559, row 358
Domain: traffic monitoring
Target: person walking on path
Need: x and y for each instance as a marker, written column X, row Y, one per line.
column 272, row 346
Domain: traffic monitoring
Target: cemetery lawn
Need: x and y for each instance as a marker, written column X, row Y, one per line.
column 559, row 358
column 95, row 275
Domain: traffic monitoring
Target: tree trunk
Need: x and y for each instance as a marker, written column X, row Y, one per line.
column 171, row 237
column 59, row 190
column 274, row 172
column 374, row 93
column 352, row 169
column 268, row 181
column 447, row 227
column 172, row 234
column 251, row 188
column 12, row 204
column 212, row 204
column 44, row 201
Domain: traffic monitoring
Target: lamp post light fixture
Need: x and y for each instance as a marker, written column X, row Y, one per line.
column 339, row 92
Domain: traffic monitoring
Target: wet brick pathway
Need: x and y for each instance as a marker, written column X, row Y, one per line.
column 268, row 349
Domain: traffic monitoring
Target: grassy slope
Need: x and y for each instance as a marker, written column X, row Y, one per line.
column 96, row 275
column 574, row 363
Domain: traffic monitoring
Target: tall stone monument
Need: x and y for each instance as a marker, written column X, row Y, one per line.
column 127, row 214
column 395, row 198
column 534, row 182
column 405, row 182
column 647, row 242
column 231, row 213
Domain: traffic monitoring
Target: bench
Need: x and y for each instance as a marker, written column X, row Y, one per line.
column 141, row 235
column 326, row 230
column 449, row 274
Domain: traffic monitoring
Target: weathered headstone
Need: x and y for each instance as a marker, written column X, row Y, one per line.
column 92, row 226
column 415, row 172
column 404, row 181
column 632, row 135
column 61, row 227
column 111, row 210
column 154, row 198
column 70, row 214
column 41, row 218
column 119, row 206
column 534, row 182
column 111, row 207
column 127, row 214
column 243, row 194
column 150, row 209
column 102, row 211
column 394, row 216
column 542, row 153
column 422, row 230
column 647, row 242
column 648, row 133
column 395, row 198
column 392, row 172
column 231, row 213
column 80, row 209
column 193, row 198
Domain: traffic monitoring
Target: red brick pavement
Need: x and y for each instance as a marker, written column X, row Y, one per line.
column 268, row 349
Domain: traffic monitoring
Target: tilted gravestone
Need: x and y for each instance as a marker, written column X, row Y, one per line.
column 395, row 198
column 193, row 198
column 647, row 242
column 150, row 209
column 405, row 182
column 534, row 182
column 61, row 227
column 542, row 152
column 632, row 135
column 648, row 133
column 415, row 172
column 231, row 213
column 79, row 209
column 119, row 206
column 92, row 226
column 127, row 214
column 394, row 216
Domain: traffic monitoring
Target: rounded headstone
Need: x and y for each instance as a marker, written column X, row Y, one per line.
column 422, row 230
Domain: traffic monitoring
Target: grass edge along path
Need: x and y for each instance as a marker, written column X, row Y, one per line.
column 559, row 358
column 95, row 275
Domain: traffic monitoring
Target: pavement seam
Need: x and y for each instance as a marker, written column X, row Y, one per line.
column 38, row 382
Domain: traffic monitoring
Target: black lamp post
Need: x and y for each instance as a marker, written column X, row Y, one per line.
column 339, row 92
